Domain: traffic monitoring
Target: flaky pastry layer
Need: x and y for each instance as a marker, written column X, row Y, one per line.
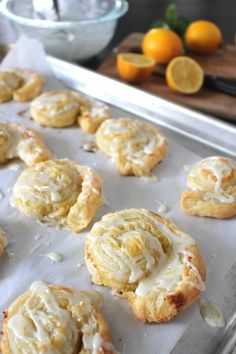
column 146, row 259
column 53, row 319
column 212, row 188
column 59, row 192
column 135, row 146
column 16, row 141
column 60, row 109
column 20, row 84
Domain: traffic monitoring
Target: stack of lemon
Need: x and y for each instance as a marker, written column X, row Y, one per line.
column 163, row 46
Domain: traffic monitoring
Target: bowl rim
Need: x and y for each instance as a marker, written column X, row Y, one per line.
column 121, row 7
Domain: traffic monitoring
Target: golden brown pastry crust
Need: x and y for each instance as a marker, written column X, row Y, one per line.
column 80, row 311
column 32, row 84
column 20, row 84
column 146, row 259
column 56, row 109
column 16, row 141
column 212, row 188
column 9, row 82
column 135, row 146
column 59, row 192
column 92, row 112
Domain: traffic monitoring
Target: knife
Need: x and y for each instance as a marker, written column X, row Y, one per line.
column 214, row 82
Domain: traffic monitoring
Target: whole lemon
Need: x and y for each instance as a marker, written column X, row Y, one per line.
column 162, row 45
column 203, row 37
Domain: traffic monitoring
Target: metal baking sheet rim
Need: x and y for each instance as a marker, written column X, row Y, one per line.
column 197, row 126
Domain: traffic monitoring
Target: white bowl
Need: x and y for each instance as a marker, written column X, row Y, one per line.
column 85, row 27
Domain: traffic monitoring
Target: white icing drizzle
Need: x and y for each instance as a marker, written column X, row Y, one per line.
column 128, row 267
column 56, row 103
column 169, row 272
column 163, row 208
column 38, row 236
column 220, row 168
column 95, row 297
column 47, row 182
column 15, row 166
column 150, row 178
column 90, row 146
column 10, row 254
column 51, row 329
column 35, row 248
column 55, row 257
column 134, row 141
column 211, row 313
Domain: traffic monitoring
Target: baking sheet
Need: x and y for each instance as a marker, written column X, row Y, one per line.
column 22, row 263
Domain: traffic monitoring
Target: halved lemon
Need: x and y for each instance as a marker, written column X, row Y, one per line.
column 184, row 75
column 134, row 68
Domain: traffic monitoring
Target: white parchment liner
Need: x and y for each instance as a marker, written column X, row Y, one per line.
column 215, row 238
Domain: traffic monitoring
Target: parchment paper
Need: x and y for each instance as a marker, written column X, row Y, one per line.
column 22, row 263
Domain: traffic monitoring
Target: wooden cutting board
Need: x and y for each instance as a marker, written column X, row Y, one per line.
column 222, row 63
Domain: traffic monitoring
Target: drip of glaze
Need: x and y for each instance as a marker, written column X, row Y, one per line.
column 55, row 257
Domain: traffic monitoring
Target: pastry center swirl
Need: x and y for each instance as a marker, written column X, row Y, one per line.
column 134, row 250
column 50, row 182
column 134, row 139
column 55, row 103
column 53, row 321
column 216, row 176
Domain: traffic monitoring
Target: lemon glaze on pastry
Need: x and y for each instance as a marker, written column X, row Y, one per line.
column 92, row 112
column 19, row 84
column 51, row 319
column 24, row 143
column 145, row 258
column 60, row 109
column 135, row 146
column 59, row 192
column 55, row 109
column 212, row 188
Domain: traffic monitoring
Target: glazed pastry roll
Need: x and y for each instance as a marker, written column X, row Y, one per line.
column 16, row 141
column 60, row 109
column 9, row 82
column 146, row 259
column 135, row 146
column 50, row 319
column 55, row 109
column 59, row 192
column 92, row 112
column 31, row 85
column 19, row 84
column 212, row 188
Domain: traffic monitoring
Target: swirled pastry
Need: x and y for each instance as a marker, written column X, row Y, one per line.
column 92, row 112
column 145, row 258
column 20, row 84
column 59, row 192
column 25, row 143
column 135, row 146
column 50, row 319
column 55, row 109
column 9, row 82
column 32, row 84
column 212, row 188
column 60, row 109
